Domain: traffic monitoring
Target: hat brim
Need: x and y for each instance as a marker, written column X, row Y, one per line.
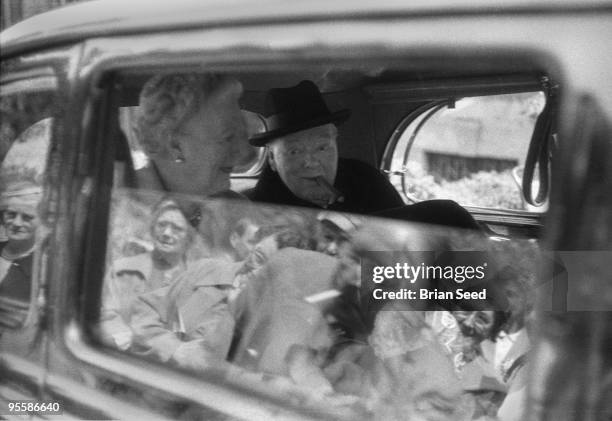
column 261, row 139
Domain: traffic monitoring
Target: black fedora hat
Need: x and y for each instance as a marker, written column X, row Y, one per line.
column 294, row 109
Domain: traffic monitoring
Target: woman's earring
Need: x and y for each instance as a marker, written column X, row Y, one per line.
column 179, row 158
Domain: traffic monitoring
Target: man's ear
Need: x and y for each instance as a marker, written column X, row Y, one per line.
column 270, row 157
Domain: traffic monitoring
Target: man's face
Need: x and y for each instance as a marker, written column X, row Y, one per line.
column 20, row 223
column 475, row 324
column 262, row 252
column 333, row 241
column 301, row 157
column 171, row 233
column 243, row 244
column 212, row 140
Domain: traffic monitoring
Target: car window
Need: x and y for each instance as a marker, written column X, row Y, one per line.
column 252, row 161
column 337, row 313
column 27, row 107
column 471, row 150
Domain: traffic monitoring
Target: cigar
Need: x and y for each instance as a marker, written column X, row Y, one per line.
column 335, row 194
column 322, row 296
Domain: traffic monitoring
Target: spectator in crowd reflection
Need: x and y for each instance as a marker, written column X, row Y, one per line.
column 506, row 350
column 243, row 237
column 334, row 233
column 227, row 231
column 334, row 239
column 191, row 324
column 129, row 277
column 19, row 215
column 303, row 165
column 269, row 240
column 188, row 324
column 498, row 334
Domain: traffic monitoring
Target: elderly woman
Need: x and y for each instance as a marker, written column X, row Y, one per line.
column 193, row 131
column 131, row 276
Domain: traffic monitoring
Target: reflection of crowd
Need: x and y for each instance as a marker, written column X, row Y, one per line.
column 132, row 276
column 287, row 304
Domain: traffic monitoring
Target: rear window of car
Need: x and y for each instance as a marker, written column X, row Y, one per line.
column 471, row 150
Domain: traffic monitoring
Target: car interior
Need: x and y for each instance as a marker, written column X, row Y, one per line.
column 386, row 98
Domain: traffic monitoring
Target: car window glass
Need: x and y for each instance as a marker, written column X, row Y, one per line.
column 334, row 330
column 27, row 106
column 471, row 151
column 334, row 312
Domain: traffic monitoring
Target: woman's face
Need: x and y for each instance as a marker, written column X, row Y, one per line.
column 211, row 141
column 171, row 233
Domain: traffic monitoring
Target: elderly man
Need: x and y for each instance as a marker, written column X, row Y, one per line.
column 21, row 191
column 19, row 205
column 243, row 238
column 303, row 165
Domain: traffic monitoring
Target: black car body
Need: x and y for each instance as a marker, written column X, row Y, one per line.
column 392, row 63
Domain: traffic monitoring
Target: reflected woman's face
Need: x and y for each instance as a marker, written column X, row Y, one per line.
column 171, row 233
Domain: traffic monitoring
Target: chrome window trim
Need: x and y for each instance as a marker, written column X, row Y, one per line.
column 57, row 62
column 84, row 21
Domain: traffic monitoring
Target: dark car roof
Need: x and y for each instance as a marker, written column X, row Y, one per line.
column 119, row 17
